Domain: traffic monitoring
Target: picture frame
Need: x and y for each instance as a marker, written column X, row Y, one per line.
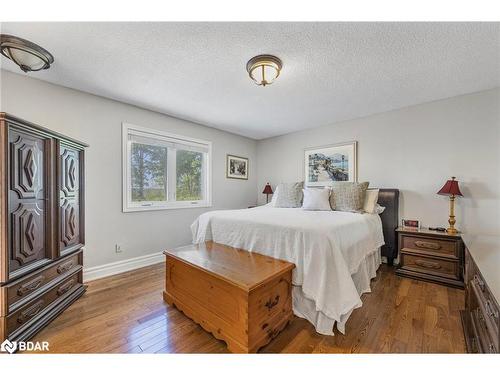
column 324, row 165
column 236, row 167
column 410, row 224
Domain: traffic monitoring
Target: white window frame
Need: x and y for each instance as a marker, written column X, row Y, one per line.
column 171, row 203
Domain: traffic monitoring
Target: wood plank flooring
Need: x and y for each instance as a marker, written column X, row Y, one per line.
column 126, row 314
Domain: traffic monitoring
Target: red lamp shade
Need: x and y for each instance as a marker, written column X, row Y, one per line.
column 267, row 189
column 450, row 188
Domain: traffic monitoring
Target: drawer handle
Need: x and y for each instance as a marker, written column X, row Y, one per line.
column 427, row 245
column 63, row 268
column 480, row 317
column 421, row 263
column 65, row 287
column 474, row 345
column 271, row 333
column 490, row 310
column 30, row 286
column 270, row 304
column 479, row 282
column 30, row 313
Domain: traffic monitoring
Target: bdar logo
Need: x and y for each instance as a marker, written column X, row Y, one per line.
column 9, row 347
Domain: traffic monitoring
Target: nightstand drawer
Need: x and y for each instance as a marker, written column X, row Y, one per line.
column 432, row 246
column 432, row 266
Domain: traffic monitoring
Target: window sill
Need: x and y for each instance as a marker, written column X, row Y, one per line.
column 171, row 207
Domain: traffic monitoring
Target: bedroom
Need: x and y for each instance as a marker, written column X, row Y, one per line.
column 249, row 187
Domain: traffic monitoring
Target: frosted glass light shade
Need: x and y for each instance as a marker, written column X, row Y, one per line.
column 264, row 69
column 27, row 55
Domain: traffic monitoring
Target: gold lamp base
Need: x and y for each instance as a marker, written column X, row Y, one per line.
column 451, row 229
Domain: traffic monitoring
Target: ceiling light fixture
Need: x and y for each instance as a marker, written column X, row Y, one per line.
column 264, row 69
column 29, row 56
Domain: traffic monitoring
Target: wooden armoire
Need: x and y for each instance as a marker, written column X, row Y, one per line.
column 42, row 230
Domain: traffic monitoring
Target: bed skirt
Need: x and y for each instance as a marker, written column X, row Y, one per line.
column 306, row 308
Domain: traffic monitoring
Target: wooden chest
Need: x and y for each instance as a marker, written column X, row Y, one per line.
column 240, row 297
column 431, row 256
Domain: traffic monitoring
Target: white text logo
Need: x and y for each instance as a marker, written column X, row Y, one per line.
column 24, row 346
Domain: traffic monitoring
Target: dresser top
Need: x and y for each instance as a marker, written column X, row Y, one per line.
column 485, row 250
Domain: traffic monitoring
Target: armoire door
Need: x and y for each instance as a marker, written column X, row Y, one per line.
column 70, row 182
column 29, row 201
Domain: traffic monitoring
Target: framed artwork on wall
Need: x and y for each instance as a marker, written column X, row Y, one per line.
column 236, row 167
column 326, row 164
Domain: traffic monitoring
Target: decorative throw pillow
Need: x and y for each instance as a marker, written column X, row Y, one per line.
column 348, row 196
column 316, row 199
column 290, row 195
column 371, row 198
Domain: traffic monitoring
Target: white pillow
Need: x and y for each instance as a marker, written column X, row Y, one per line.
column 316, row 199
column 379, row 209
column 371, row 198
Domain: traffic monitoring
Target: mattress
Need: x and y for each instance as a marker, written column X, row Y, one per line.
column 335, row 253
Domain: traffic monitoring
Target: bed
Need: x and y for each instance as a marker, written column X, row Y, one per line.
column 336, row 254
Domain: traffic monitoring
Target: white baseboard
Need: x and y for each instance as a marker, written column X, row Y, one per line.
column 98, row 272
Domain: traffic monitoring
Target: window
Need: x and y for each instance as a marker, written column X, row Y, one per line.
column 162, row 171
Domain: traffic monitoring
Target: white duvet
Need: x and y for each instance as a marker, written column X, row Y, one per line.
column 335, row 253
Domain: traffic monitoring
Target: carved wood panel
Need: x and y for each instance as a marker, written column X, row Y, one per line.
column 69, row 172
column 26, row 163
column 70, row 223
column 28, row 233
column 70, row 219
column 27, row 216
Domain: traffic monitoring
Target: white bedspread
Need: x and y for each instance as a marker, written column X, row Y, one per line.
column 328, row 249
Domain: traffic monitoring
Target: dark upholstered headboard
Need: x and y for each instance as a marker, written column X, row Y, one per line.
column 389, row 198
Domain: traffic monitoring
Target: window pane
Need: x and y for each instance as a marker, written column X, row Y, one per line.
column 148, row 172
column 189, row 180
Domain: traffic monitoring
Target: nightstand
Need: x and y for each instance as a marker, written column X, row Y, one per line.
column 431, row 256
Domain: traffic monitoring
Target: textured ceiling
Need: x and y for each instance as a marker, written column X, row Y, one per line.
column 332, row 71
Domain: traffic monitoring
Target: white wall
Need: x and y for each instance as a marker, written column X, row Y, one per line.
column 414, row 149
column 97, row 121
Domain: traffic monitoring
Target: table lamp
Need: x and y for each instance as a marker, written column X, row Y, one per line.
column 267, row 190
column 451, row 189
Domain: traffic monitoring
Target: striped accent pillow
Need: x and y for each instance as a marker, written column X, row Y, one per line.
column 348, row 196
column 289, row 195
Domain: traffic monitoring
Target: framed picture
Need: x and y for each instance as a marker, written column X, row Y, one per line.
column 326, row 164
column 411, row 223
column 237, row 167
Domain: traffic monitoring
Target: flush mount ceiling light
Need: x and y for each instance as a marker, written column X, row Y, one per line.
column 264, row 69
column 29, row 56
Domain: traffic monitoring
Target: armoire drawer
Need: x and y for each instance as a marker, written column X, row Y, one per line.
column 29, row 287
column 41, row 305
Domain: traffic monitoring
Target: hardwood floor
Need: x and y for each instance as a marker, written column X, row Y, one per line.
column 126, row 314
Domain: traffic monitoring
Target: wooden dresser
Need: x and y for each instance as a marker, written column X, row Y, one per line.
column 241, row 297
column 431, row 256
column 41, row 226
column 481, row 317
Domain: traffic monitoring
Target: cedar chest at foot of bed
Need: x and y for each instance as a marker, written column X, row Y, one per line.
column 241, row 297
